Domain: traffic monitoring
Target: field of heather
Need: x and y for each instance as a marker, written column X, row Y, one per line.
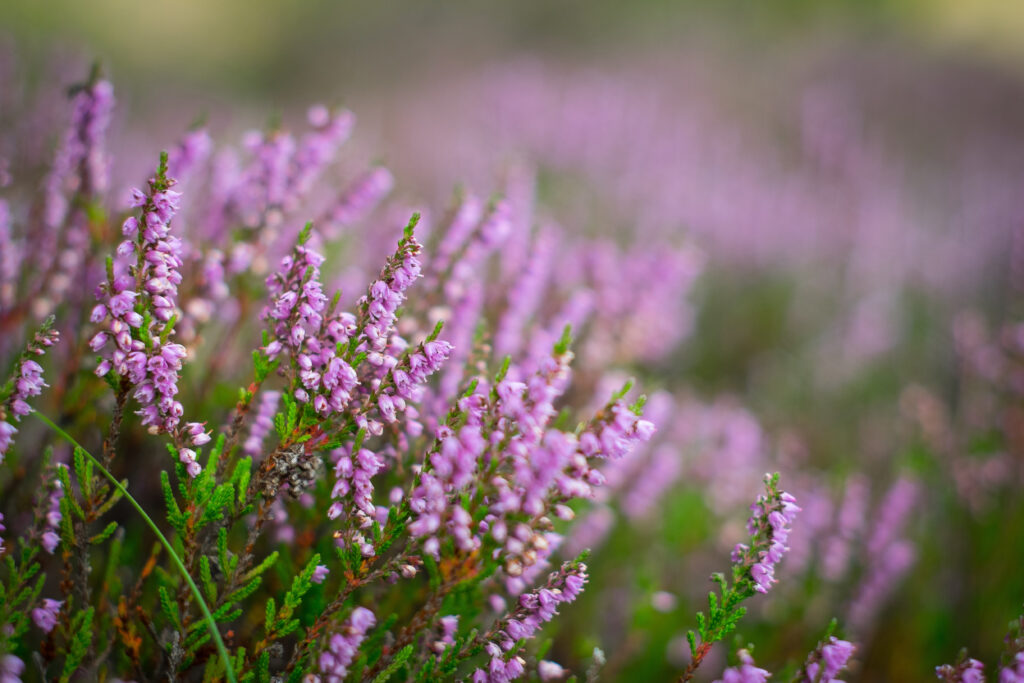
column 655, row 341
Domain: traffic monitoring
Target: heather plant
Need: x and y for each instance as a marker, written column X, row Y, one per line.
column 279, row 554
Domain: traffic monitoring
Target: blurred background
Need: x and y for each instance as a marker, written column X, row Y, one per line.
column 847, row 175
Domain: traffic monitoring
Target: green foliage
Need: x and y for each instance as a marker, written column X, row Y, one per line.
column 282, row 622
column 397, row 663
column 81, row 639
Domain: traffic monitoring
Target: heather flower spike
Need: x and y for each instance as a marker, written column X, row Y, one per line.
column 830, row 657
column 26, row 383
column 753, row 570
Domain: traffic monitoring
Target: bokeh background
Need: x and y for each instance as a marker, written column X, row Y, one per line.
column 847, row 178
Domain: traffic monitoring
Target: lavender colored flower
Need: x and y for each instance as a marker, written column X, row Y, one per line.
column 45, row 616
column 11, row 668
column 768, row 527
column 1014, row 672
column 192, row 151
column 320, row 573
column 52, row 520
column 27, row 383
column 354, row 481
column 449, row 627
column 343, row 646
column 359, row 199
column 262, row 423
column 550, row 671
column 533, row 611
column 81, row 163
column 746, row 672
column 827, row 661
column 966, row 670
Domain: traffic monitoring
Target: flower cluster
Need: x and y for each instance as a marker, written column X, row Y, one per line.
column 138, row 308
column 26, row 383
column 45, row 615
column 343, row 645
column 51, row 522
column 262, row 423
column 768, row 527
column 966, row 670
column 827, row 660
column 746, row 672
column 534, row 609
column 1013, row 672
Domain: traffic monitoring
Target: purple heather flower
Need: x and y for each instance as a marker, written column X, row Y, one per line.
column 45, row 616
column 354, row 477
column 320, row 573
column 768, row 527
column 550, row 671
column 360, row 198
column 28, row 383
column 11, row 668
column 825, row 662
column 746, row 672
column 193, row 150
column 150, row 363
column 449, row 626
column 52, row 520
column 343, row 646
column 965, row 671
column 533, row 610
column 262, row 424
column 1014, row 673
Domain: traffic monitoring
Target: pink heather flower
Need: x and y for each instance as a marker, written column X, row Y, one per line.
column 746, row 672
column 28, row 383
column 768, row 527
column 360, row 199
column 550, row 671
column 263, row 423
column 965, row 671
column 45, row 616
column 11, row 668
column 1014, row 673
column 52, row 520
column 320, row 573
column 343, row 646
column 50, row 541
column 533, row 610
column 827, row 661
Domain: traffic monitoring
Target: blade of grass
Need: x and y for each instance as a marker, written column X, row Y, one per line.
column 211, row 624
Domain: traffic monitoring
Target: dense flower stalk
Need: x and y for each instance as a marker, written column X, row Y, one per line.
column 26, row 383
column 533, row 610
column 768, row 527
column 343, row 646
column 51, row 522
